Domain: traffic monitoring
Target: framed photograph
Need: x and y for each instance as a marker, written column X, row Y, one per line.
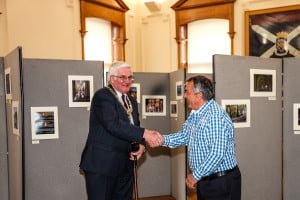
column 7, row 83
column 154, row 105
column 273, row 32
column 81, row 90
column 44, row 123
column 296, row 116
column 262, row 83
column 135, row 92
column 105, row 74
column 179, row 90
column 239, row 111
column 173, row 109
column 15, row 117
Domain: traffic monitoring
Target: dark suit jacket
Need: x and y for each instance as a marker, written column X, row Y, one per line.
column 110, row 135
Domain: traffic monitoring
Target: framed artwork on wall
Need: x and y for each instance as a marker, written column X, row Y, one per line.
column 239, row 111
column 154, row 105
column 81, row 90
column 15, row 117
column 44, row 123
column 173, row 109
column 135, row 91
column 105, row 74
column 296, row 116
column 273, row 32
column 262, row 83
column 7, row 83
column 179, row 90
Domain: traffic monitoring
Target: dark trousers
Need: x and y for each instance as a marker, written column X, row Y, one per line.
column 227, row 187
column 101, row 187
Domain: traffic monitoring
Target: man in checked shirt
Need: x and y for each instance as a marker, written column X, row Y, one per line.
column 209, row 135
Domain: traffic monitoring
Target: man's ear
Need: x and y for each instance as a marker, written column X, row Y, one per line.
column 200, row 95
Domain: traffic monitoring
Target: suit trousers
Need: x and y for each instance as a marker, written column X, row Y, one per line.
column 102, row 187
column 227, row 187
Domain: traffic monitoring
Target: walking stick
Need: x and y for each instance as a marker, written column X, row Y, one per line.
column 134, row 148
column 136, row 192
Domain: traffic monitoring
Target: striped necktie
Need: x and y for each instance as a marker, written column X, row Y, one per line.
column 125, row 102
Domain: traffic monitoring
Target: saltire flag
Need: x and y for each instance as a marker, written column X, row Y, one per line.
column 275, row 34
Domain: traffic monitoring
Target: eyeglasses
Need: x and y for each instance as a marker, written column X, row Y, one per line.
column 124, row 78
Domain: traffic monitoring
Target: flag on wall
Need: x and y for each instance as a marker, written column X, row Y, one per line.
column 275, row 34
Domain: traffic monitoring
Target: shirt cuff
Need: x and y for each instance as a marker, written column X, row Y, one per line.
column 198, row 178
column 166, row 141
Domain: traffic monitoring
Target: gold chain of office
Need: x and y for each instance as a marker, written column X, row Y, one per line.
column 129, row 109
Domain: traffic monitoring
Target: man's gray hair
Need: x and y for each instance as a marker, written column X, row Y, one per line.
column 113, row 70
column 204, row 85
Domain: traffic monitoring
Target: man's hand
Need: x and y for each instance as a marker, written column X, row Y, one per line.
column 138, row 153
column 191, row 181
column 153, row 138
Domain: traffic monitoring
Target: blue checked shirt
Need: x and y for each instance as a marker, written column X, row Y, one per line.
column 209, row 134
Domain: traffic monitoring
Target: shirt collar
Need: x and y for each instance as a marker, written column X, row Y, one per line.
column 118, row 93
column 203, row 107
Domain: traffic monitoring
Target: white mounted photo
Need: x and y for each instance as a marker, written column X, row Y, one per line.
column 262, row 83
column 173, row 109
column 179, row 90
column 105, row 74
column 81, row 90
column 154, row 105
column 15, row 117
column 8, row 84
column 239, row 111
column 135, row 92
column 44, row 123
column 296, row 116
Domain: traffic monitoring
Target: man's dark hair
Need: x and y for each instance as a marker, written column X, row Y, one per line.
column 204, row 85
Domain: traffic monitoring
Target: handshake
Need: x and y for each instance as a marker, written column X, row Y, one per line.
column 153, row 138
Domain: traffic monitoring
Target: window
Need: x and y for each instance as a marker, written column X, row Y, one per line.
column 206, row 38
column 96, row 14
column 98, row 41
column 188, row 13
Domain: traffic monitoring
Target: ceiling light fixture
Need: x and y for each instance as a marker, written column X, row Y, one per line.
column 152, row 5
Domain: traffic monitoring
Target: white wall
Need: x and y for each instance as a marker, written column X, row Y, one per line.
column 50, row 29
column 151, row 46
column 3, row 28
column 45, row 29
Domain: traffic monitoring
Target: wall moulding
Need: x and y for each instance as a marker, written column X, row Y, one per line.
column 165, row 17
column 190, row 4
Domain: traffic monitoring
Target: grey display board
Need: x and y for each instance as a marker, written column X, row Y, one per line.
column 154, row 176
column 291, row 141
column 259, row 147
column 178, row 155
column 3, row 138
column 13, row 62
column 52, row 165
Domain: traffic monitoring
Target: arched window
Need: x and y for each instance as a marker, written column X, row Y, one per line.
column 107, row 12
column 205, row 38
column 97, row 40
column 187, row 12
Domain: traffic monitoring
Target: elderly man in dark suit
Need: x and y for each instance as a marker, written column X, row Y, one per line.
column 114, row 125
